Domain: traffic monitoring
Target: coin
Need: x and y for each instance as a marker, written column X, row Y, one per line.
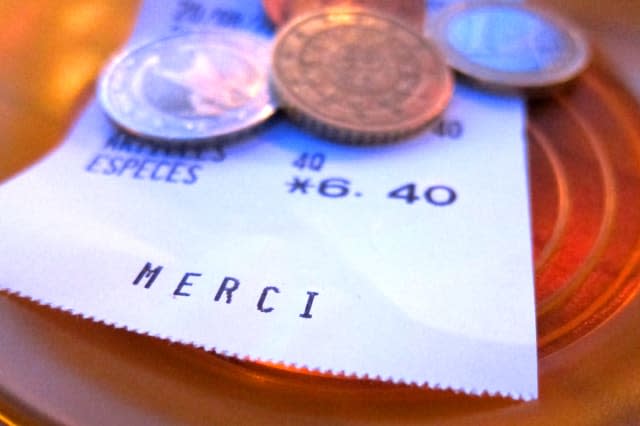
column 190, row 87
column 412, row 12
column 277, row 11
column 358, row 77
column 507, row 45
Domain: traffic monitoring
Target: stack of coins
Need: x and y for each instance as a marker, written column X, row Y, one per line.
column 359, row 71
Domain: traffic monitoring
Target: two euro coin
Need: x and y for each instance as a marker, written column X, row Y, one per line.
column 190, row 87
column 508, row 45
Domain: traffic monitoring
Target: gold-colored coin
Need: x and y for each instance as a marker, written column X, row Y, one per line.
column 412, row 12
column 511, row 46
column 358, row 77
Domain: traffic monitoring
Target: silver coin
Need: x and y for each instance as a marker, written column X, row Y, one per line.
column 510, row 45
column 190, row 87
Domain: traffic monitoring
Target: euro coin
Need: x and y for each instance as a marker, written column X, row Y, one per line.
column 358, row 77
column 411, row 12
column 510, row 46
column 191, row 87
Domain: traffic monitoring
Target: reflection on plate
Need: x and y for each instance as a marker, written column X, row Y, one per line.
column 585, row 170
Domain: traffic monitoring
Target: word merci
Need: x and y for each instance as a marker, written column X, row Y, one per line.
column 225, row 292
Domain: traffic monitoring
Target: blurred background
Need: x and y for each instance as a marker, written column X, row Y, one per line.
column 614, row 26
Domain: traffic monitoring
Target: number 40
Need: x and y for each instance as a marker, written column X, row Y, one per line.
column 313, row 161
column 437, row 195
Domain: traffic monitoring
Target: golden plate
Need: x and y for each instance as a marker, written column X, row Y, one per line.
column 585, row 184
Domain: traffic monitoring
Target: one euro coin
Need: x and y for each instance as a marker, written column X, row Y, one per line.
column 190, row 87
column 358, row 77
column 509, row 45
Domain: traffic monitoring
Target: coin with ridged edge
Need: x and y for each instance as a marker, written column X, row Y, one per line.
column 358, row 77
column 511, row 46
column 412, row 12
column 192, row 87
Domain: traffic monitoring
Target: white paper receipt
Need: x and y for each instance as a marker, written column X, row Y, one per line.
column 409, row 262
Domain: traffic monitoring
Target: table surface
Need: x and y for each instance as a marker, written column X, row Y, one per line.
column 51, row 53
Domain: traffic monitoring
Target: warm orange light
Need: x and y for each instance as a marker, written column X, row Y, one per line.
column 70, row 73
column 80, row 18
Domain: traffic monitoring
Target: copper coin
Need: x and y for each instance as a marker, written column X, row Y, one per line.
column 359, row 77
column 412, row 12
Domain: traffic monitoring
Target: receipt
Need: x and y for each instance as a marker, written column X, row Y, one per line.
column 408, row 262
